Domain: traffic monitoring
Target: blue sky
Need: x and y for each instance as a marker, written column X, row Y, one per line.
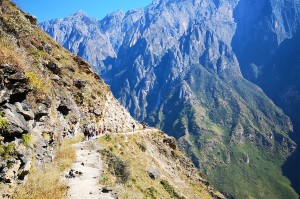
column 52, row 9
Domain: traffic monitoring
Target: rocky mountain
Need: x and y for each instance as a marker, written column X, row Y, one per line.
column 267, row 45
column 47, row 94
column 175, row 64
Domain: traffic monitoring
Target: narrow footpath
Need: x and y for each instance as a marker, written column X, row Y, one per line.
column 84, row 177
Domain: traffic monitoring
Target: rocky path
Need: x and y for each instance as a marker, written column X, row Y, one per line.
column 84, row 176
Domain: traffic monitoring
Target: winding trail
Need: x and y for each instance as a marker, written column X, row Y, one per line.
column 89, row 164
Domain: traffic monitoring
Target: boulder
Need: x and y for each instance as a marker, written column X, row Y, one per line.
column 64, row 106
column 80, row 83
column 57, row 79
column 11, row 173
column 4, row 94
column 24, row 154
column 21, row 89
column 18, row 77
column 106, row 189
column 154, row 173
column 97, row 112
column 24, row 171
column 40, row 111
column 55, row 68
column 8, row 69
column 58, row 57
column 32, row 19
column 73, row 174
column 48, row 48
column 27, row 114
column 16, row 123
column 71, row 68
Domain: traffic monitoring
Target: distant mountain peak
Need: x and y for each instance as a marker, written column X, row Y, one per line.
column 79, row 13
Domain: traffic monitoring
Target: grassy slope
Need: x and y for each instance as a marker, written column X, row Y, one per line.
column 141, row 151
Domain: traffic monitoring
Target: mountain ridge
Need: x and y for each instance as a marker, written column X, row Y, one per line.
column 153, row 74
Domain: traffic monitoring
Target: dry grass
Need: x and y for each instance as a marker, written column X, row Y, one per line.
column 10, row 57
column 45, row 183
column 141, row 152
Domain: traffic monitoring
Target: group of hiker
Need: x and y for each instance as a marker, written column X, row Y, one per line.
column 92, row 131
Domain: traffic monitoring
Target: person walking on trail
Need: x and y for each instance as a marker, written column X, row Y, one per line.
column 85, row 132
column 90, row 130
column 100, row 131
column 133, row 126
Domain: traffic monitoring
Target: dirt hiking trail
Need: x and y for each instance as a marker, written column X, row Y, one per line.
column 84, row 176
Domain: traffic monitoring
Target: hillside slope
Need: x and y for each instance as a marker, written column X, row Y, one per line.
column 148, row 164
column 172, row 64
column 45, row 91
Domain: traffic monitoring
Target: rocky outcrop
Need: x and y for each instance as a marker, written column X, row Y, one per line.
column 154, row 173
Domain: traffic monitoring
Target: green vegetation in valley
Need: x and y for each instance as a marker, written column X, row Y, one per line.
column 226, row 121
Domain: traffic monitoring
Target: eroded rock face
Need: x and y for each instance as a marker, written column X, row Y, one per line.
column 19, row 118
column 40, row 105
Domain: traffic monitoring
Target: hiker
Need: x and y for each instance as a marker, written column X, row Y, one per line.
column 85, row 132
column 51, row 141
column 100, row 131
column 94, row 131
column 90, row 133
column 133, row 126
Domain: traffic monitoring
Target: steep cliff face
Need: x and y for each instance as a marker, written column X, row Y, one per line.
column 46, row 92
column 267, row 45
column 173, row 66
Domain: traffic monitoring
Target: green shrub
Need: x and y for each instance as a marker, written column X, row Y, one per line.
column 107, row 138
column 46, row 136
column 170, row 189
column 104, row 178
column 7, row 151
column 38, row 53
column 26, row 140
column 151, row 193
column 78, row 99
column 118, row 167
column 3, row 122
column 34, row 80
